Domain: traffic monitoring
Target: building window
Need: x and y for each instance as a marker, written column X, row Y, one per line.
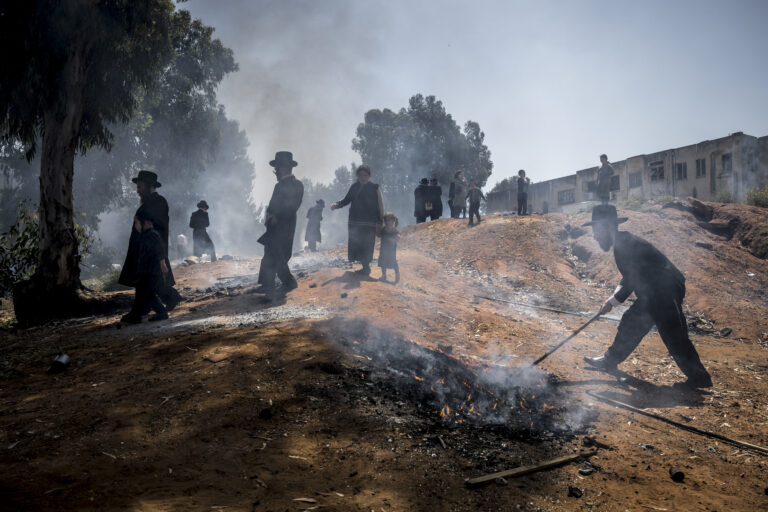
column 681, row 171
column 566, row 196
column 615, row 182
column 657, row 171
column 589, row 186
column 701, row 168
column 727, row 163
column 635, row 180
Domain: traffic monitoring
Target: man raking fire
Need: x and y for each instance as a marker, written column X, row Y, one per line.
column 659, row 287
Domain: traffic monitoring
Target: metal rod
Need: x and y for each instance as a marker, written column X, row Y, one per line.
column 707, row 433
column 566, row 340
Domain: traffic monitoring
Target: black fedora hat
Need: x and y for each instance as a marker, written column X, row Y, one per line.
column 202, row 204
column 605, row 213
column 148, row 177
column 283, row 158
column 320, row 202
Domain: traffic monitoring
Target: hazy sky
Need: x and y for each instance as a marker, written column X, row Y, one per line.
column 552, row 84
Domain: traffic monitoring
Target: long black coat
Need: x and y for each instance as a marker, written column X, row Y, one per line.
column 156, row 208
column 365, row 213
column 315, row 215
column 420, row 197
column 644, row 269
column 286, row 199
column 436, row 198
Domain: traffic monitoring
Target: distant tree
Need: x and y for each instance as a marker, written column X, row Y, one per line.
column 71, row 69
column 417, row 142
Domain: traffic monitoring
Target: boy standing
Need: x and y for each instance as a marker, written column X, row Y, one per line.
column 150, row 270
column 474, row 196
column 388, row 250
column 522, row 192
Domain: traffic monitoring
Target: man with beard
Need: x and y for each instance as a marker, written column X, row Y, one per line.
column 281, row 226
column 659, row 287
column 155, row 208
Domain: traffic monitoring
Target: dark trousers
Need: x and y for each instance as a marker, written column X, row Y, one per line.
column 146, row 298
column 665, row 310
column 434, row 215
column 275, row 263
column 312, row 245
column 456, row 211
column 421, row 218
column 474, row 209
column 522, row 203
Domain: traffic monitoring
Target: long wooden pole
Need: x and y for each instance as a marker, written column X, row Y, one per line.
column 525, row 470
column 566, row 340
column 707, row 433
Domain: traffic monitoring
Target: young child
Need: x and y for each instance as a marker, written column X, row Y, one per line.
column 474, row 196
column 388, row 251
column 150, row 270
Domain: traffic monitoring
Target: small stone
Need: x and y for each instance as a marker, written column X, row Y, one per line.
column 313, row 285
column 586, row 471
column 344, row 295
column 575, row 492
column 501, row 481
column 676, row 474
column 704, row 245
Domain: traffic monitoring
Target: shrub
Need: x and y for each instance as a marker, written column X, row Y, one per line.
column 19, row 246
column 723, row 196
column 758, row 197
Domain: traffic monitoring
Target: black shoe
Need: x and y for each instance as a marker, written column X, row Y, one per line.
column 290, row 285
column 601, row 362
column 172, row 301
column 692, row 384
column 131, row 319
column 263, row 289
column 159, row 316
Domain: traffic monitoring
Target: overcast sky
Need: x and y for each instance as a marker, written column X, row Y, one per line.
column 552, row 84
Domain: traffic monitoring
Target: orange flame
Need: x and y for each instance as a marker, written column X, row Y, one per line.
column 445, row 412
column 418, row 378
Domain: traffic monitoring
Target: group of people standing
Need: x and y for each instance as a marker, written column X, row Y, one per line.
column 428, row 200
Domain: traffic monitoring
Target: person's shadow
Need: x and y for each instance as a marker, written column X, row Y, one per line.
column 350, row 279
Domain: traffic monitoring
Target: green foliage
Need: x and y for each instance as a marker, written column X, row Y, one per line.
column 78, row 54
column 19, row 246
column 420, row 141
column 758, row 196
column 723, row 196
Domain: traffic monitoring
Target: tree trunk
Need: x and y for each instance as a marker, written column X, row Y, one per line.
column 52, row 291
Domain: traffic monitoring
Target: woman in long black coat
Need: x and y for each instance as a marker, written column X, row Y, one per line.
column 365, row 216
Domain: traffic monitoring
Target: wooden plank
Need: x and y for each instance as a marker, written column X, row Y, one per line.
column 525, row 470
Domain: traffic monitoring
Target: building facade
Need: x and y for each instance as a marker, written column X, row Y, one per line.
column 710, row 170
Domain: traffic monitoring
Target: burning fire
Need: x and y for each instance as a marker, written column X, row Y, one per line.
column 420, row 379
column 445, row 412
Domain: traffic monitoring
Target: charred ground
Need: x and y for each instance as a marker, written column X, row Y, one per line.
column 389, row 397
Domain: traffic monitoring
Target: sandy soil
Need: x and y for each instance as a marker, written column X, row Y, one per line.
column 331, row 398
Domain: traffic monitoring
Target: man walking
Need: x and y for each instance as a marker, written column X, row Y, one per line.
column 201, row 242
column 659, row 287
column 314, row 217
column 474, row 196
column 522, row 192
column 604, row 175
column 155, row 208
column 420, row 198
column 457, row 194
column 281, row 226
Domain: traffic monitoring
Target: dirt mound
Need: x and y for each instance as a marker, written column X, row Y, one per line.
column 356, row 394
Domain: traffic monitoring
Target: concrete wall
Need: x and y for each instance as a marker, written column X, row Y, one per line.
column 748, row 168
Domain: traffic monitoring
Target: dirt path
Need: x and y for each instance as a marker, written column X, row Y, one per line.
column 353, row 394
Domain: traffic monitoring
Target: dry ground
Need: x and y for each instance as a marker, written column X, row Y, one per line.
column 330, row 394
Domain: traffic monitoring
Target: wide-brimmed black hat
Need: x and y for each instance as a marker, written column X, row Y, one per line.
column 283, row 158
column 424, row 181
column 147, row 177
column 320, row 202
column 605, row 213
column 202, row 204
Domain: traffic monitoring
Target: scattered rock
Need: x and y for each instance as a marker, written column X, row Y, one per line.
column 647, row 446
column 575, row 492
column 344, row 295
column 191, row 260
column 501, row 481
column 313, row 285
column 725, row 331
column 59, row 364
column 704, row 245
column 676, row 474
column 226, row 257
column 586, row 471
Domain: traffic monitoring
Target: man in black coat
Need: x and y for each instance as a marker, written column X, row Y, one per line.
column 420, row 198
column 659, row 287
column 604, row 177
column 314, row 218
column 522, row 192
column 436, row 199
column 199, row 221
column 155, row 207
column 281, row 225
